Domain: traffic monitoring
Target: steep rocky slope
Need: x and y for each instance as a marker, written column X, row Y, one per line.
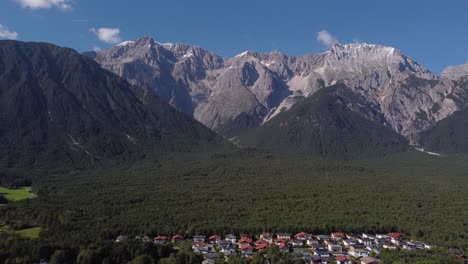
column 333, row 122
column 228, row 94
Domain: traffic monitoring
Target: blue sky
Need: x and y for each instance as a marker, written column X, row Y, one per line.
column 435, row 33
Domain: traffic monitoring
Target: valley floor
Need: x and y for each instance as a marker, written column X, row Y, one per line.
column 423, row 196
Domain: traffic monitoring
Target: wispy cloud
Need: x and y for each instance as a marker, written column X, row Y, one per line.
column 46, row 4
column 96, row 48
column 326, row 38
column 108, row 35
column 6, row 33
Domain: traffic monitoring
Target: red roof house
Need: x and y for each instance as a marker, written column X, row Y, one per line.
column 214, row 237
column 396, row 235
column 337, row 235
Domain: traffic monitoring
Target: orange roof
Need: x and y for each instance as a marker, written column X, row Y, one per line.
column 302, row 234
column 279, row 240
column 245, row 247
column 337, row 234
column 160, row 238
column 177, row 237
column 282, row 245
column 244, row 240
column 396, row 235
column 262, row 246
column 213, row 237
column 341, row 258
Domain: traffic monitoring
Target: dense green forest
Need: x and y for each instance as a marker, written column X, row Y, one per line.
column 246, row 191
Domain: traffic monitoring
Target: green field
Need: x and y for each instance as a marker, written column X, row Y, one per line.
column 32, row 232
column 16, row 194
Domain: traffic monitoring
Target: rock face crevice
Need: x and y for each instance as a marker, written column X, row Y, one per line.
column 255, row 87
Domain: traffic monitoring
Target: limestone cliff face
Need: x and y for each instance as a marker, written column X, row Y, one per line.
column 257, row 86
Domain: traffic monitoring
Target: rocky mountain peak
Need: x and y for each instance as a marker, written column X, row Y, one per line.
column 455, row 72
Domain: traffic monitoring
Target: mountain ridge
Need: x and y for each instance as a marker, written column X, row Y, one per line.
column 256, row 86
column 59, row 108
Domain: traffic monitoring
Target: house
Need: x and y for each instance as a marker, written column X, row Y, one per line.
column 358, row 253
column 356, row 247
column 397, row 241
column 416, row 244
column 143, row 238
column 310, row 242
column 209, row 261
column 297, row 242
column 262, row 246
column 323, row 254
column 246, row 237
column 369, row 260
column 232, row 238
column 374, row 249
column 428, row 246
column 227, row 247
column 337, row 236
column 177, row 239
column 381, row 241
column 283, row 248
column 352, row 236
column 396, row 235
column 121, row 238
column 159, row 240
column 408, row 247
column 335, row 248
column 215, row 239
column 315, row 247
column 389, row 246
column 285, row 236
column 369, row 236
column 201, row 249
column 349, row 242
column 280, row 241
column 246, row 248
column 366, row 241
column 244, row 242
column 303, row 236
column 342, row 260
column 267, row 237
column 382, row 236
column 199, row 238
column 322, row 237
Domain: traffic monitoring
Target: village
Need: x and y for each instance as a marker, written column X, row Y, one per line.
column 337, row 247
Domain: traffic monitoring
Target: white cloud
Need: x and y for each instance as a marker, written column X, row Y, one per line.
column 108, row 35
column 96, row 48
column 326, row 38
column 46, row 4
column 5, row 33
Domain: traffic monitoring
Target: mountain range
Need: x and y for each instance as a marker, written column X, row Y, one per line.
column 227, row 94
column 143, row 98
